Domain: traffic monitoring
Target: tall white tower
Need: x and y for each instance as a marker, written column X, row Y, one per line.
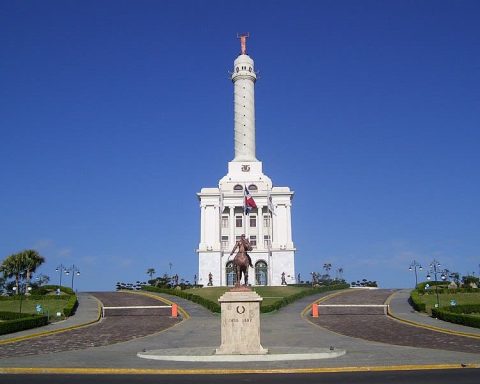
column 222, row 215
column 243, row 78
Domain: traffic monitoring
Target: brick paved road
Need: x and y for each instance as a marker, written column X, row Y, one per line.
column 372, row 324
column 111, row 330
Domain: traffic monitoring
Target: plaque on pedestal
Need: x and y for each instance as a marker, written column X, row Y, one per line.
column 240, row 323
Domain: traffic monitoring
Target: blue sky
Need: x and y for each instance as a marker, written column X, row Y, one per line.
column 113, row 114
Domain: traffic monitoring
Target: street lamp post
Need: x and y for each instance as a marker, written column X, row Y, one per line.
column 60, row 269
column 414, row 267
column 74, row 270
column 434, row 268
column 26, row 291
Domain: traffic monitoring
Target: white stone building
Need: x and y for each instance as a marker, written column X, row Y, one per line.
column 223, row 219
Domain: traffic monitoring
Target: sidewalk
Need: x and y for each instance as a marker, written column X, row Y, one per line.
column 402, row 310
column 86, row 313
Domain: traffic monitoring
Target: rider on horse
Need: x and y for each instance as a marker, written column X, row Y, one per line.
column 243, row 246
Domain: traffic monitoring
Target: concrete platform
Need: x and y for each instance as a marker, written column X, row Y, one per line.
column 207, row 354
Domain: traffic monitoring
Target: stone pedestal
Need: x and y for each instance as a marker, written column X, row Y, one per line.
column 240, row 326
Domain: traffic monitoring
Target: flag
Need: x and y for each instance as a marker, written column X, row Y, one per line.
column 271, row 207
column 249, row 202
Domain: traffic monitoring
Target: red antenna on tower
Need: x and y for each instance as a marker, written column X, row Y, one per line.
column 243, row 42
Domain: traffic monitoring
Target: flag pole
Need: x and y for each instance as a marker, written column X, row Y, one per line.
column 220, row 214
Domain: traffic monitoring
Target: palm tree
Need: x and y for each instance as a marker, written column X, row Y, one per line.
column 31, row 260
column 327, row 267
column 13, row 266
column 151, row 272
column 340, row 273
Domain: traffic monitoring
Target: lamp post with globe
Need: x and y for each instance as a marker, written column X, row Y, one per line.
column 413, row 267
column 434, row 268
column 73, row 270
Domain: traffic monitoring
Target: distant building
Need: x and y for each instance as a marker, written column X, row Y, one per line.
column 222, row 209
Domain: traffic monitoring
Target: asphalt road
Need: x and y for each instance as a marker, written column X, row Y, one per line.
column 457, row 376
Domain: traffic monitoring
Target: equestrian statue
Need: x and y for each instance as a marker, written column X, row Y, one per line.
column 242, row 260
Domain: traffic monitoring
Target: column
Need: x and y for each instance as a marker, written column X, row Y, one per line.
column 231, row 225
column 217, row 234
column 260, row 228
column 202, row 226
column 289, row 242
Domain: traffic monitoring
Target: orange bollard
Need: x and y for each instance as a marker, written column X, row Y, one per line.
column 314, row 310
column 174, row 310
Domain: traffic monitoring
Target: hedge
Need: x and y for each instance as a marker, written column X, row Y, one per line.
column 421, row 286
column 32, row 297
column 215, row 307
column 212, row 306
column 68, row 291
column 15, row 322
column 71, row 306
column 459, row 314
column 308, row 292
column 416, row 302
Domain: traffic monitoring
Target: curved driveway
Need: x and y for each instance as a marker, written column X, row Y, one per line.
column 373, row 325
column 110, row 330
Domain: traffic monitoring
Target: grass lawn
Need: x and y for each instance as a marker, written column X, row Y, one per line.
column 444, row 299
column 269, row 294
column 29, row 306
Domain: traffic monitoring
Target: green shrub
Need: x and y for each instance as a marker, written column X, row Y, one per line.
column 421, row 286
column 15, row 322
column 71, row 306
column 307, row 292
column 39, row 291
column 31, row 297
column 210, row 305
column 215, row 307
column 53, row 288
column 459, row 314
column 416, row 302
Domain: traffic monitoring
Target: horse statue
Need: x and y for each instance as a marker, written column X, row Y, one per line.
column 242, row 260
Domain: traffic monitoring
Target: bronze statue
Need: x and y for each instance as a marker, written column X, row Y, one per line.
column 210, row 278
column 242, row 260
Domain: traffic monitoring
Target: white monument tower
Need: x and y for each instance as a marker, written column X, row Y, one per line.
column 223, row 216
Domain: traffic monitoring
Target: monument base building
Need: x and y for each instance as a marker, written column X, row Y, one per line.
column 223, row 217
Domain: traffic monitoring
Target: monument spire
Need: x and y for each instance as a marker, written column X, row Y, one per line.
column 243, row 42
column 243, row 78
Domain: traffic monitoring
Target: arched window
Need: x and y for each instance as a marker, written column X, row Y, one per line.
column 237, row 188
column 261, row 273
column 252, row 187
column 230, row 274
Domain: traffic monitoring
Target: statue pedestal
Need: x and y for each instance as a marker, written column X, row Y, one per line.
column 240, row 325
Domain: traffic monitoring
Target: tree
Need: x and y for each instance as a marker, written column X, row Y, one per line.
column 31, row 260
column 327, row 267
column 340, row 273
column 455, row 276
column 469, row 280
column 42, row 279
column 151, row 272
column 13, row 266
column 21, row 265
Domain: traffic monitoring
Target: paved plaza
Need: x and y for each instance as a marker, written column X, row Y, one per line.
column 370, row 337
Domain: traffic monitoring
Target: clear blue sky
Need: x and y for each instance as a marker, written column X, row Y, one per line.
column 113, row 114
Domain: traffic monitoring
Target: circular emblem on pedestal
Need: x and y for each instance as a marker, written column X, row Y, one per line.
column 240, row 309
